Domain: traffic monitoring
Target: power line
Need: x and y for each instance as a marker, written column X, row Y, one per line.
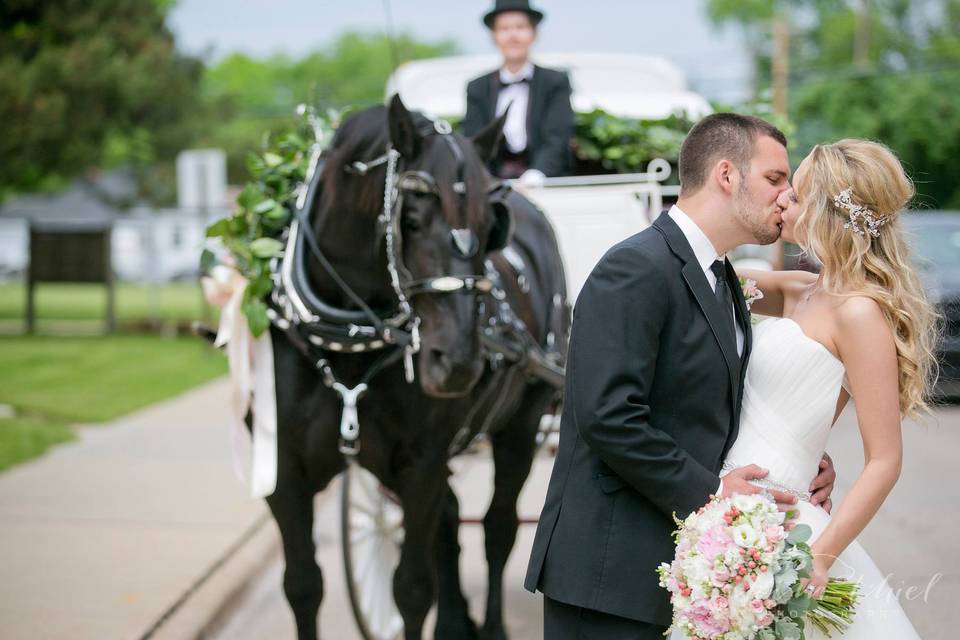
column 391, row 35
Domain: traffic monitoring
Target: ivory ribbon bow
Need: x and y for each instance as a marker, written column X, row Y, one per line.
column 251, row 379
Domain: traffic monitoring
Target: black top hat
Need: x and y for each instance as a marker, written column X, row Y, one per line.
column 502, row 6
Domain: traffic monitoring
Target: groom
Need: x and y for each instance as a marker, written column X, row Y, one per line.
column 655, row 369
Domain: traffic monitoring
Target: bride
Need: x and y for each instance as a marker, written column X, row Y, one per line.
column 862, row 329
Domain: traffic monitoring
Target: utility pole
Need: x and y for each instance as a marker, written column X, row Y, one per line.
column 781, row 85
column 861, row 38
column 781, row 62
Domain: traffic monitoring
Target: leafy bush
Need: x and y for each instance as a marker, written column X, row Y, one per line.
column 626, row 145
column 264, row 210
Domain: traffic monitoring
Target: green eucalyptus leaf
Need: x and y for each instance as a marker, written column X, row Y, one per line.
column 278, row 212
column 800, row 533
column 254, row 163
column 787, row 629
column 265, row 247
column 272, row 159
column 800, row 604
column 265, row 206
column 219, row 228
column 249, row 196
column 207, row 261
column 256, row 313
column 238, row 225
column 260, row 286
column 241, row 251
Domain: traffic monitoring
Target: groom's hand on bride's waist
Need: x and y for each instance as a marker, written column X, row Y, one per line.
column 738, row 481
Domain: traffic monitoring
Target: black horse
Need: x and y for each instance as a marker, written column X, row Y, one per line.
column 446, row 227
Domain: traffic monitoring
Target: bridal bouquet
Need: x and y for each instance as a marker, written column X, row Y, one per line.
column 736, row 575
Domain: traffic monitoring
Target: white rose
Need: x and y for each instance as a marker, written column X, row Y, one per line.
column 745, row 535
column 744, row 502
column 762, row 587
column 731, row 557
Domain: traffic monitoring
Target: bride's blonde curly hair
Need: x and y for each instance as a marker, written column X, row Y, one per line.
column 863, row 264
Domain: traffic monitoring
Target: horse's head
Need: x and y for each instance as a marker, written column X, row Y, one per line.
column 447, row 223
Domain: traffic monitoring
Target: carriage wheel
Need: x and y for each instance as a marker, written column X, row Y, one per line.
column 371, row 534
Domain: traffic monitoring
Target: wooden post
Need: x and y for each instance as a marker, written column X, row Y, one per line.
column 781, row 83
column 109, row 282
column 30, row 310
column 781, row 63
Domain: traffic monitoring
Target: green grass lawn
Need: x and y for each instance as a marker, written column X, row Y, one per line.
column 25, row 438
column 53, row 382
column 134, row 302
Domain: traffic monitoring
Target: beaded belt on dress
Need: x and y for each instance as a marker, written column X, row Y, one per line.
column 771, row 484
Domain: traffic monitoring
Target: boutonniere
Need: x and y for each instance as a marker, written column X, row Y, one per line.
column 751, row 293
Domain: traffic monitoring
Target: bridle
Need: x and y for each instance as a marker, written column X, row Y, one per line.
column 464, row 241
column 312, row 324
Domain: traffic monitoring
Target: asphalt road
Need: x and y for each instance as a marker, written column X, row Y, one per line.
column 912, row 539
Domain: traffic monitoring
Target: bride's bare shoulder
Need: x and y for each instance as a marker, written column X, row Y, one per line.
column 859, row 311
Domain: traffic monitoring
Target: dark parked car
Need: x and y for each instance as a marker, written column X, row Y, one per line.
column 936, row 247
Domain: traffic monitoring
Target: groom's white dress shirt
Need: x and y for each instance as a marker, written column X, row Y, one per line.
column 705, row 254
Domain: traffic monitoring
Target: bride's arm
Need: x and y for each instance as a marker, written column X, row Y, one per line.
column 777, row 288
column 866, row 346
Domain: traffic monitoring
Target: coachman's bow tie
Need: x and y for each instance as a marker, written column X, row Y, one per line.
column 504, row 85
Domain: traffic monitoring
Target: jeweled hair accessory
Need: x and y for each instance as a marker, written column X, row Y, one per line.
column 862, row 219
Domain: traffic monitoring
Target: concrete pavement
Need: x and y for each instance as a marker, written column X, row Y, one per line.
column 139, row 529
column 262, row 612
column 914, row 540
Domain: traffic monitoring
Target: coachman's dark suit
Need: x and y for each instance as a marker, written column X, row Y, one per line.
column 651, row 406
column 549, row 117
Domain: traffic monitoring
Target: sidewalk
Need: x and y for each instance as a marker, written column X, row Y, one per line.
column 138, row 530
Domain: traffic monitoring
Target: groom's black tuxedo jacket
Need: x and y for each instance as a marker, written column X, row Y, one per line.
column 651, row 406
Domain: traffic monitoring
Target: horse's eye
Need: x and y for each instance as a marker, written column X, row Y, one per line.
column 411, row 224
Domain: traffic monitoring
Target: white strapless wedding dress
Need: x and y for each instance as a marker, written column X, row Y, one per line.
column 789, row 400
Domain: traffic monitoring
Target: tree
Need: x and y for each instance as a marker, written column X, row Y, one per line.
column 887, row 70
column 89, row 84
column 253, row 96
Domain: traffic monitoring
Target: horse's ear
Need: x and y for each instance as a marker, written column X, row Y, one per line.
column 502, row 228
column 403, row 133
column 488, row 139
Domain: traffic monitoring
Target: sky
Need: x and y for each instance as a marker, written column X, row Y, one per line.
column 715, row 60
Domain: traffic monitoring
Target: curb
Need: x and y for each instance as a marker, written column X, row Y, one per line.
column 210, row 601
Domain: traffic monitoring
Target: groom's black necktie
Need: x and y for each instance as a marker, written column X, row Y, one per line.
column 724, row 297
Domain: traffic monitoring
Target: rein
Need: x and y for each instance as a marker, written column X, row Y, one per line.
column 309, row 322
